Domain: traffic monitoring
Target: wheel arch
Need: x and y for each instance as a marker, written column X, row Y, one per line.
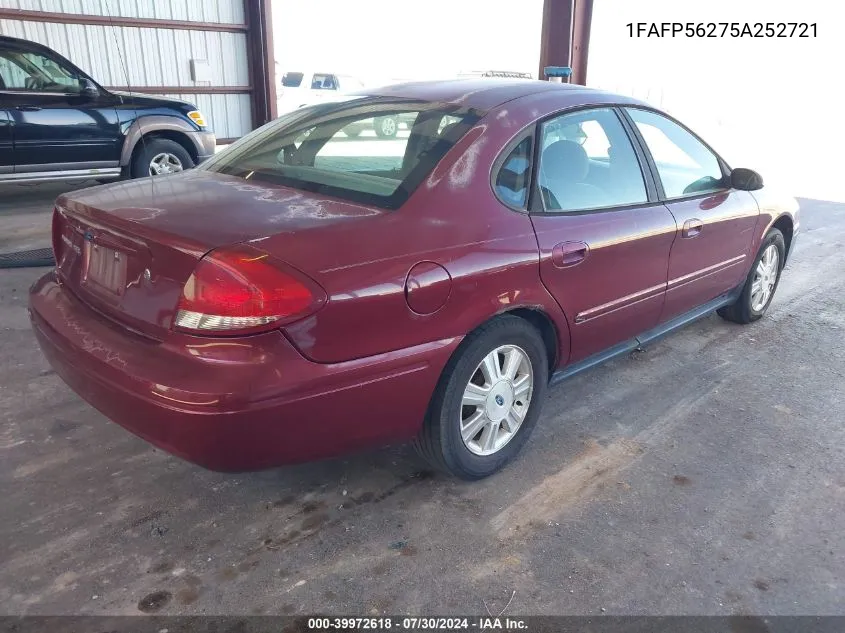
column 541, row 321
column 548, row 331
column 146, row 127
column 785, row 224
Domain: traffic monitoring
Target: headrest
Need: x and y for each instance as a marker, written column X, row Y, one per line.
column 565, row 160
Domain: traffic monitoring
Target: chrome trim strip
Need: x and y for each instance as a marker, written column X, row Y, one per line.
column 78, row 174
column 704, row 272
column 88, row 165
column 35, row 93
column 618, row 304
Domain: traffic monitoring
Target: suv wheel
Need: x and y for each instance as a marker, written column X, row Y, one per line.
column 159, row 156
column 386, row 126
column 487, row 401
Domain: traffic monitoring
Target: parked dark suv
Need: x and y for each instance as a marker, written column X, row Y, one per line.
column 56, row 123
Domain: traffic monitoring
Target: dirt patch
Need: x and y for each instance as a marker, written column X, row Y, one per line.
column 594, row 467
column 154, row 601
column 163, row 567
column 187, row 595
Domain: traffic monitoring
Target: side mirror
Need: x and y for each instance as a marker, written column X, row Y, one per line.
column 746, row 179
column 88, row 88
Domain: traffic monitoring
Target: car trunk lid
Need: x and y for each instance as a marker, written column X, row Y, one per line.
column 128, row 249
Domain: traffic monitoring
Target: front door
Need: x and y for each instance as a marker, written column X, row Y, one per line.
column 57, row 127
column 604, row 238
column 711, row 254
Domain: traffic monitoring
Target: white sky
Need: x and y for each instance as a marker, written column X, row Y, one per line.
column 380, row 40
column 770, row 104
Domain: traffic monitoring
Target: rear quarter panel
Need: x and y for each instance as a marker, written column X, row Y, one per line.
column 452, row 219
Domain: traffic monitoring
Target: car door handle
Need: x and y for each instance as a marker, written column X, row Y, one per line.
column 569, row 254
column 692, row 228
column 28, row 108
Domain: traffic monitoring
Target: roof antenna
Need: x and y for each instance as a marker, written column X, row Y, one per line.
column 125, row 70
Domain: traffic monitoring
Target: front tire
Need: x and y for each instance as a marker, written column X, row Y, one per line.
column 158, row 156
column 761, row 283
column 487, row 401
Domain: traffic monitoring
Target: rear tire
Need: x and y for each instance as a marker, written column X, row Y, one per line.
column 154, row 149
column 751, row 305
column 449, row 440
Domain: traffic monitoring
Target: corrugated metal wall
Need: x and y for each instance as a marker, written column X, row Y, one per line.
column 230, row 114
column 120, row 56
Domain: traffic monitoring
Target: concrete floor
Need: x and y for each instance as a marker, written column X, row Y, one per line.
column 705, row 475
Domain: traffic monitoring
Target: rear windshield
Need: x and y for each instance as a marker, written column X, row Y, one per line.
column 292, row 80
column 364, row 149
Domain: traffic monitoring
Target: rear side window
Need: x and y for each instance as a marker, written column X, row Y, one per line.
column 587, row 162
column 514, row 175
column 331, row 148
column 292, row 80
column 685, row 165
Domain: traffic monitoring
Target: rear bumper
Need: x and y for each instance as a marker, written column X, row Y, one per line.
column 233, row 404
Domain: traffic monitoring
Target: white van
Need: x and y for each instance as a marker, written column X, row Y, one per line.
column 307, row 88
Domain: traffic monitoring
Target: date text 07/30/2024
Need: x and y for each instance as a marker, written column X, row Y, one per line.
column 417, row 624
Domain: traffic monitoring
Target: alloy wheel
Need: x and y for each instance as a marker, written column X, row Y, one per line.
column 765, row 278
column 496, row 400
column 388, row 126
column 165, row 163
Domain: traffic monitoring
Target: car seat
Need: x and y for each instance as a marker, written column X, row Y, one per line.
column 563, row 168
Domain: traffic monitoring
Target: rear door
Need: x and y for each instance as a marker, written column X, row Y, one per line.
column 57, row 128
column 711, row 254
column 604, row 237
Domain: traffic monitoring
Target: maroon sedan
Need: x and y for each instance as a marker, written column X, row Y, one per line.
column 306, row 293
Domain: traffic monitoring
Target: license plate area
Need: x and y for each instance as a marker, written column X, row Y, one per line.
column 105, row 269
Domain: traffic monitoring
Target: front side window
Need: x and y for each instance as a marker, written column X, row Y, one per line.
column 316, row 149
column 33, row 72
column 587, row 162
column 684, row 164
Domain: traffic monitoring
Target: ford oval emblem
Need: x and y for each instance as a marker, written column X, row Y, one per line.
column 89, row 236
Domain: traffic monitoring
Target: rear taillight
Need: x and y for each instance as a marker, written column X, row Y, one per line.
column 57, row 235
column 243, row 290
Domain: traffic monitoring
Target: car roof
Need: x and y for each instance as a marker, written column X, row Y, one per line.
column 485, row 94
column 8, row 39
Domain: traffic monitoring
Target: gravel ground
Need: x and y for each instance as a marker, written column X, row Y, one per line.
column 705, row 475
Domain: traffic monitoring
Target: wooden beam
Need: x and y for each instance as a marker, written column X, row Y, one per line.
column 261, row 60
column 556, row 35
column 582, row 23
